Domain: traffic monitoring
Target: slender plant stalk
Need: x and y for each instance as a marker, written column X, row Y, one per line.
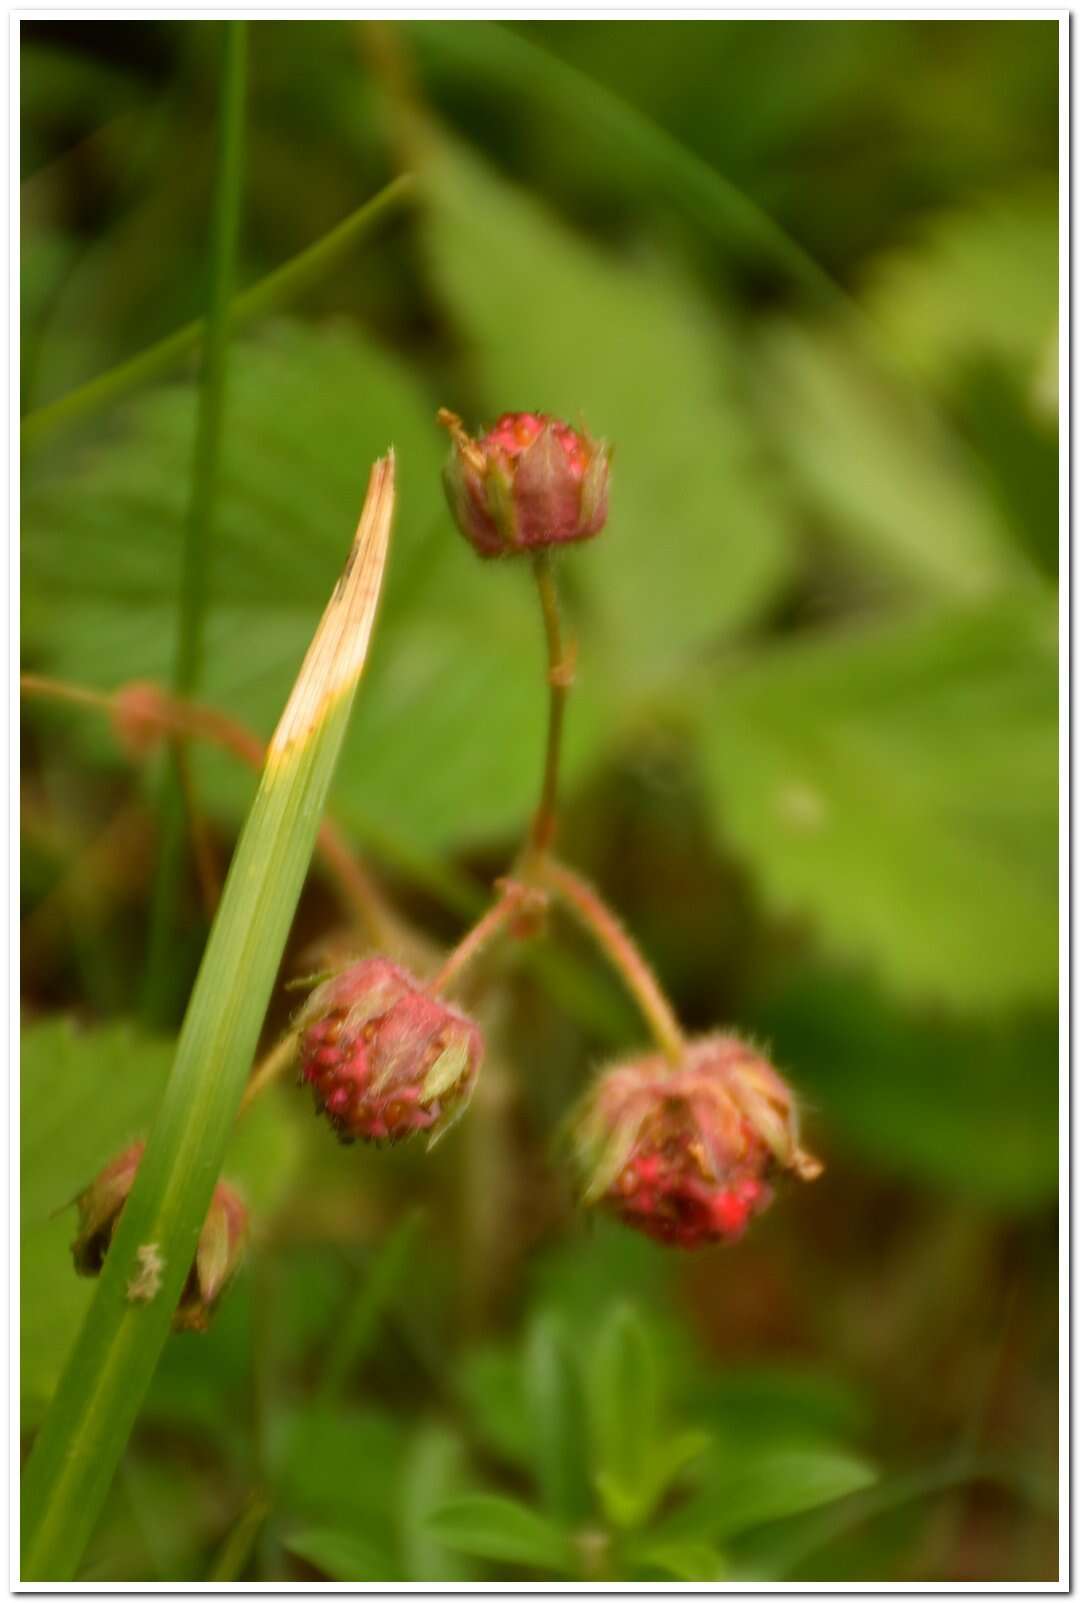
column 36, row 684
column 194, row 575
column 235, row 1552
column 285, row 282
column 498, row 915
column 115, row 1353
column 560, row 678
column 382, row 1277
column 621, row 952
column 153, row 708
column 273, row 1065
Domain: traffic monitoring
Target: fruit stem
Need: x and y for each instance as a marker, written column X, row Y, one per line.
column 36, row 684
column 175, row 716
column 560, row 676
column 621, row 952
column 275, row 1062
column 512, row 893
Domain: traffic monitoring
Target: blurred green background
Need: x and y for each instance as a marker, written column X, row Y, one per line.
column 803, row 275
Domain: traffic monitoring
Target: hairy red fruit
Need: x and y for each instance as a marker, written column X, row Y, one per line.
column 686, row 1155
column 528, row 482
column 217, row 1255
column 384, row 1057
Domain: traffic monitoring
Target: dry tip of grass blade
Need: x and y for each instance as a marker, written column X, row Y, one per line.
column 336, row 656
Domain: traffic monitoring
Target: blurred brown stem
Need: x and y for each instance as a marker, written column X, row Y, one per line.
column 178, row 718
column 512, row 894
column 621, row 952
column 264, row 1073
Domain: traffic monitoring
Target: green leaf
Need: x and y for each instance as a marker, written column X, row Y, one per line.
column 337, row 1466
column 776, row 1404
column 101, row 546
column 489, row 1383
column 882, row 470
column 685, row 1561
column 965, row 1107
column 87, row 1094
column 696, row 541
column 378, row 1285
column 552, row 1389
column 502, row 1530
column 433, row 1470
column 979, row 282
column 624, row 1404
column 342, row 1555
column 897, row 786
column 785, row 1481
column 741, row 1489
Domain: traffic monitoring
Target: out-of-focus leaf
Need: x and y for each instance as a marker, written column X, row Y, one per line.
column 880, row 469
column 623, row 1394
column 86, row 1094
column 972, row 1108
column 602, row 1262
column 781, row 1552
column 380, row 1282
column 337, row 1466
column 898, row 787
column 502, row 1530
column 684, row 1561
column 490, row 1385
column 342, row 1555
column 696, row 540
column 772, row 1403
column 786, row 1481
column 981, row 282
column 739, row 1490
column 634, row 1457
column 101, row 554
column 552, row 1388
column 433, row 1471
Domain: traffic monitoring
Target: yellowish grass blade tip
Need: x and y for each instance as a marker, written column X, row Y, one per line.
column 336, row 656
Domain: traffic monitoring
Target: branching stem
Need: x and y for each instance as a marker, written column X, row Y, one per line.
column 512, row 895
column 173, row 716
column 621, row 952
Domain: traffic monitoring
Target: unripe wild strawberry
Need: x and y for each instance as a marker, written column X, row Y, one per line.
column 528, row 482
column 384, row 1057
column 685, row 1155
column 217, row 1256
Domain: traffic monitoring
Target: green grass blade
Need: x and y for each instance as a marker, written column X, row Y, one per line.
column 715, row 203
column 224, row 237
column 283, row 284
column 209, row 427
column 97, row 1400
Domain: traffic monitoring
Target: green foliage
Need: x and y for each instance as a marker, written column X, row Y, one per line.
column 967, row 1107
column 505, row 1531
column 804, row 279
column 308, row 411
column 634, row 1458
column 548, row 317
column 340, row 1555
column 875, row 463
column 553, row 1397
column 897, row 786
column 87, row 1094
column 666, row 1495
column 978, row 282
